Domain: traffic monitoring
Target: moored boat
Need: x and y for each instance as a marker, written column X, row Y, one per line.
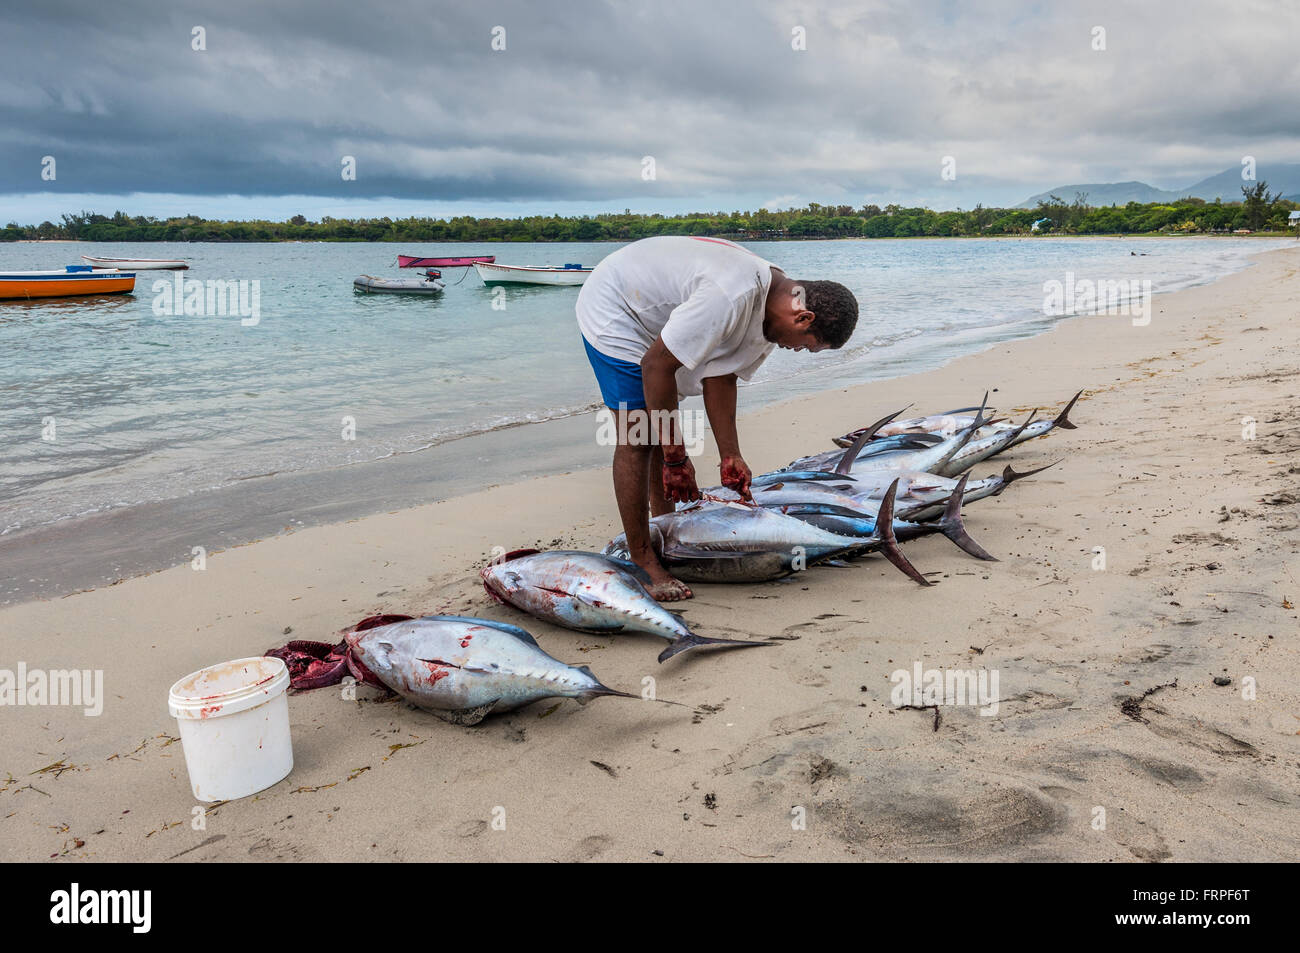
column 71, row 281
column 409, row 286
column 139, row 264
column 531, row 274
column 411, row 261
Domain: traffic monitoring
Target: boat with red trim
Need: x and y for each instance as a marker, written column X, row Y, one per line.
column 410, row 261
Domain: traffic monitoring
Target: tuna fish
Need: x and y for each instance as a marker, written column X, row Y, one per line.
column 827, row 459
column 1040, row 428
column 947, row 424
column 918, row 510
column 591, row 593
column 979, row 449
column 857, row 515
column 721, row 541
column 930, row 458
column 463, row 669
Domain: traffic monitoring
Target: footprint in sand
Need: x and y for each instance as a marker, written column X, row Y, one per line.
column 992, row 822
column 1195, row 733
column 1139, row 838
column 589, row 848
column 1150, row 653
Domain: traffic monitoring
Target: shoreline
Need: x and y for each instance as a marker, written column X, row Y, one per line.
column 1107, row 697
column 106, row 547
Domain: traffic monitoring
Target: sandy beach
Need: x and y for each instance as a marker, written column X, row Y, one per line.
column 1111, row 741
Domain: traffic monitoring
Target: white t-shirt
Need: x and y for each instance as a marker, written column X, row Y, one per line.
column 705, row 296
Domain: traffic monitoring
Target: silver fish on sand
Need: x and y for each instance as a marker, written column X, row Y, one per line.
column 591, row 592
column 463, row 669
column 711, row 541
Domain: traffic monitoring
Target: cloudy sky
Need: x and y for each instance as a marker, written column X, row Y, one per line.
column 561, row 120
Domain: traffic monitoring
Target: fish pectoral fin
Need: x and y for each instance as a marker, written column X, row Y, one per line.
column 587, row 600
column 465, row 717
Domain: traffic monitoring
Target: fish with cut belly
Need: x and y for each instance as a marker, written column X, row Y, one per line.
column 463, row 669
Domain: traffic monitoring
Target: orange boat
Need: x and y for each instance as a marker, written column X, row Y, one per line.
column 72, row 280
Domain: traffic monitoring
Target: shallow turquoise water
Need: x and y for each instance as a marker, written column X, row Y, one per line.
column 149, row 406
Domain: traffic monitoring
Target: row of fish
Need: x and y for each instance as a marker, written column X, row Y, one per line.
column 888, row 483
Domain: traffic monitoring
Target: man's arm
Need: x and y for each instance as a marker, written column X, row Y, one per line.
column 720, row 404
column 659, row 380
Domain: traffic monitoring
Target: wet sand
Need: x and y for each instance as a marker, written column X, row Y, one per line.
column 1111, row 740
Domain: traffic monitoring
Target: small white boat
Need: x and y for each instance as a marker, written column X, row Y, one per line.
column 493, row 274
column 398, row 286
column 139, row 264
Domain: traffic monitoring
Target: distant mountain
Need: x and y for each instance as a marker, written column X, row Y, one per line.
column 1225, row 185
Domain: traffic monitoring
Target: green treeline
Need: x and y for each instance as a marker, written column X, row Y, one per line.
column 1258, row 211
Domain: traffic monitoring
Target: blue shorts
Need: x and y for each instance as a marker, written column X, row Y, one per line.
column 619, row 380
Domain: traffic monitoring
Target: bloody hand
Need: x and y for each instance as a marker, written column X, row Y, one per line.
column 679, row 483
column 736, row 476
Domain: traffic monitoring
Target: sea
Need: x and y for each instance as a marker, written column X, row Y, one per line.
column 121, row 402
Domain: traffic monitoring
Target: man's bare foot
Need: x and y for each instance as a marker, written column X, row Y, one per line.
column 662, row 585
column 674, row 590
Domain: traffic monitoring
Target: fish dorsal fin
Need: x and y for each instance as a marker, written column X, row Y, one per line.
column 375, row 621
column 519, row 554
column 851, row 455
column 629, row 567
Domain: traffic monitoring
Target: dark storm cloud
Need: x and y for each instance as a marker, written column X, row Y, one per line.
column 585, row 89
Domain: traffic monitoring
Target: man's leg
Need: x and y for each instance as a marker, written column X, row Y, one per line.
column 632, row 473
column 659, row 504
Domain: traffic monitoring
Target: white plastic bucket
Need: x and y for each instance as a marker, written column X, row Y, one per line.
column 234, row 724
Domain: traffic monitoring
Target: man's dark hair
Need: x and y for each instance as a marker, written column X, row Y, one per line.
column 835, row 308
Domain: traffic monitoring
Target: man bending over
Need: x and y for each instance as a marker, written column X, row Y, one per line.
column 668, row 317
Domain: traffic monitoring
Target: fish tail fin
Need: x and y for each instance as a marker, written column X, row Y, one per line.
column 1063, row 418
column 686, row 642
column 599, row 690
column 602, row 691
column 889, row 542
column 1010, row 476
column 952, row 525
column 851, row 455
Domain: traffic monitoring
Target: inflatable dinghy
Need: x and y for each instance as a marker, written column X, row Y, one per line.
column 409, row 286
